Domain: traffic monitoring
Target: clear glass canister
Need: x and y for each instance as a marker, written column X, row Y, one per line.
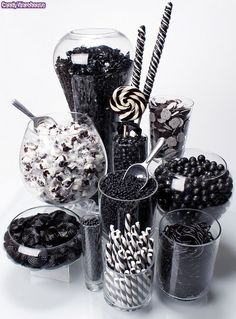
column 90, row 64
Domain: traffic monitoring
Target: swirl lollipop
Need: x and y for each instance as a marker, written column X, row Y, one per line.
column 128, row 102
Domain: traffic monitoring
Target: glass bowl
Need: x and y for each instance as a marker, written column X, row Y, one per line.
column 197, row 179
column 62, row 163
column 44, row 237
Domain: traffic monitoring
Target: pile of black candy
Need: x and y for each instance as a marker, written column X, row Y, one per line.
column 54, row 237
column 185, row 270
column 194, row 234
column 206, row 183
column 128, row 150
column 122, row 196
column 88, row 87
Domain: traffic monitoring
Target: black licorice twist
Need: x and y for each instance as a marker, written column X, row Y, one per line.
column 137, row 64
column 195, row 234
column 185, row 259
column 92, row 247
column 156, row 55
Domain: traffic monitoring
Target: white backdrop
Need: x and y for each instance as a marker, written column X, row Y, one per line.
column 198, row 61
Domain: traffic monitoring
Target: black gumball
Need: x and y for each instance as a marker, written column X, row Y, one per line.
column 207, row 183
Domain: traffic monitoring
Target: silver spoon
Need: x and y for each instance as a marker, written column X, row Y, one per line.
column 140, row 170
column 36, row 119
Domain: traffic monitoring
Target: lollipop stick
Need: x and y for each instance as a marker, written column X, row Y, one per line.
column 156, row 55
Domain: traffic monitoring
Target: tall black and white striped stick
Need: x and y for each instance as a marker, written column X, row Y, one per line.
column 138, row 59
column 158, row 48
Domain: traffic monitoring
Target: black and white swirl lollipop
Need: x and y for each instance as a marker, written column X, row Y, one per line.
column 128, row 102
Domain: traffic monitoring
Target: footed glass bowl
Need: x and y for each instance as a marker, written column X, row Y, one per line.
column 62, row 162
column 44, row 237
column 197, row 179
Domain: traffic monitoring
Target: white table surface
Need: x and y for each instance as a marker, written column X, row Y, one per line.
column 198, row 61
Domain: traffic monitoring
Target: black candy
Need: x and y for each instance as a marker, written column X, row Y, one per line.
column 55, row 235
column 114, row 205
column 128, row 150
column 210, row 182
column 185, row 271
column 88, row 87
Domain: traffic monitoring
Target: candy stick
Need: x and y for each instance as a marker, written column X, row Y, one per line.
column 149, row 259
column 134, row 232
column 124, row 242
column 127, row 225
column 118, row 290
column 137, row 226
column 123, row 291
column 109, row 253
column 144, row 282
column 121, row 261
column 156, row 55
column 132, row 242
column 128, row 288
column 144, row 238
column 137, row 66
column 134, row 286
column 143, row 258
column 151, row 243
column 109, row 281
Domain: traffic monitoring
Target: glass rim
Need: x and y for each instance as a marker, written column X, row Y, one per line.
column 200, row 151
column 83, row 218
column 124, row 200
column 94, row 32
column 41, row 207
column 186, row 100
column 31, row 123
column 190, row 245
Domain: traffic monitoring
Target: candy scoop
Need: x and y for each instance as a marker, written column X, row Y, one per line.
column 140, row 170
column 36, row 119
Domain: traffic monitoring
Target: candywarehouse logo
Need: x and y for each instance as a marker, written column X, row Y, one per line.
column 23, row 5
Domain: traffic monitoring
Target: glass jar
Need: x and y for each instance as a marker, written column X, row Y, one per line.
column 113, row 208
column 169, row 118
column 62, row 163
column 91, row 64
column 197, row 179
column 185, row 270
column 128, row 150
column 44, row 237
column 128, row 291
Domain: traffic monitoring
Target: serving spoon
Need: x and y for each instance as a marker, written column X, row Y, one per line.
column 37, row 120
column 140, row 170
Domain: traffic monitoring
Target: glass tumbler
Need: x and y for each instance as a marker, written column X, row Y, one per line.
column 185, row 271
column 128, row 292
column 128, row 150
column 113, row 210
column 169, row 118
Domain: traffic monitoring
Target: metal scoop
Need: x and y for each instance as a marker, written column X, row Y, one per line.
column 140, row 170
column 36, row 119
